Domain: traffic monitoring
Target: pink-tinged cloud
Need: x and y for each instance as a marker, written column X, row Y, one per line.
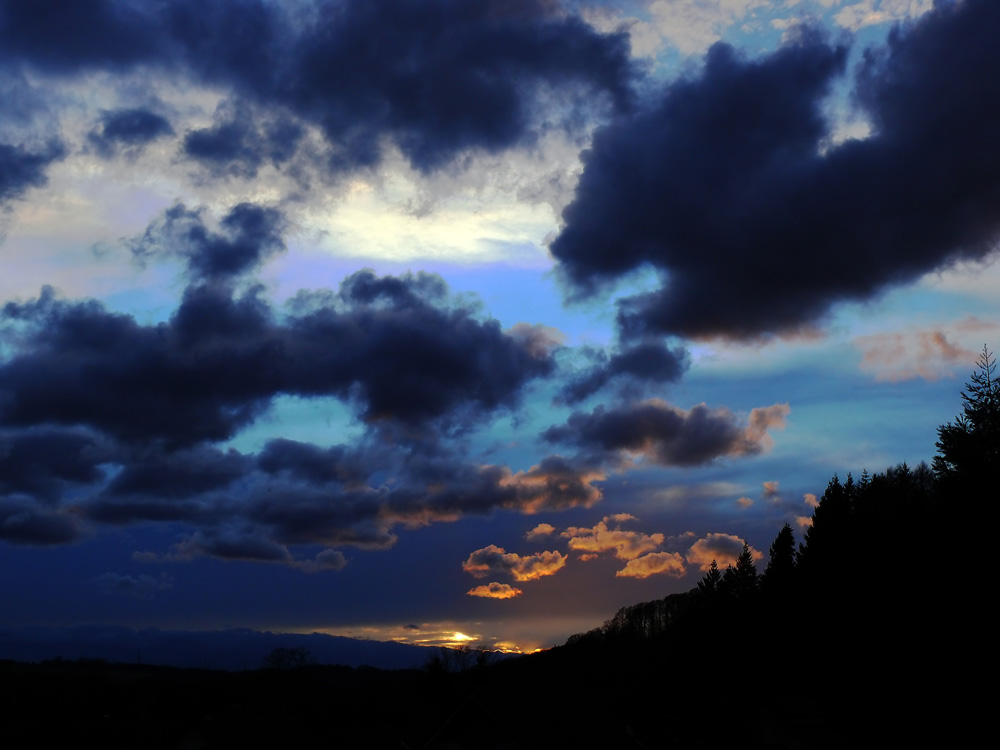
column 495, row 591
column 803, row 522
column 659, row 433
column 723, row 548
column 541, row 531
column 493, row 560
column 655, row 563
column 538, row 340
column 744, row 502
column 770, row 490
column 810, row 500
column 627, row 545
column 911, row 354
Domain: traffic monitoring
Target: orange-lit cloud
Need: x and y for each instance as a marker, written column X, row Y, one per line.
column 914, row 353
column 541, row 531
column 554, row 484
column 803, row 522
column 493, row 560
column 495, row 591
column 770, row 490
column 723, row 548
column 627, row 545
column 744, row 502
column 655, row 563
column 811, row 500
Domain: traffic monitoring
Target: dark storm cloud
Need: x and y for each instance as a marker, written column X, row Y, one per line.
column 293, row 494
column 23, row 167
column 44, row 462
column 179, row 474
column 250, row 234
column 668, row 436
column 62, row 36
column 437, row 77
column 221, row 358
column 240, row 142
column 128, row 131
column 24, row 522
column 729, row 186
column 645, row 363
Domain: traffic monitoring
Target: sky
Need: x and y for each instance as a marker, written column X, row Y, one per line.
column 453, row 322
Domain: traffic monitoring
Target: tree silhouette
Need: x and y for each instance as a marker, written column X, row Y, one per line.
column 709, row 585
column 741, row 581
column 969, row 447
column 781, row 565
column 289, row 658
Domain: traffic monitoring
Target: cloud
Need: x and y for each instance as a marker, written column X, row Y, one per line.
column 439, row 82
column 24, row 522
column 45, row 462
column 231, row 541
column 541, row 531
column 723, row 548
column 810, row 500
column 871, row 12
column 241, row 141
column 214, row 367
column 692, row 25
column 728, row 186
column 24, row 167
column 771, row 491
column 627, row 545
column 493, row 560
column 250, row 234
column 667, row 435
column 495, row 591
column 927, row 354
column 632, row 366
column 128, row 131
column 744, row 502
column 655, row 563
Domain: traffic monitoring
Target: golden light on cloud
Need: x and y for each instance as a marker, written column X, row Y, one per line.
column 627, row 545
column 540, row 531
column 495, row 591
column 491, row 560
column 655, row 563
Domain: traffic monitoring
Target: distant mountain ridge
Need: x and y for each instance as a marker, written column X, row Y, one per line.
column 232, row 649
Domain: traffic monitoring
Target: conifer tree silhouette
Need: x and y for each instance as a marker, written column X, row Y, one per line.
column 781, row 565
column 969, row 447
column 709, row 585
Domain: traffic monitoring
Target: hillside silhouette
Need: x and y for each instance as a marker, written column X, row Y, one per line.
column 867, row 632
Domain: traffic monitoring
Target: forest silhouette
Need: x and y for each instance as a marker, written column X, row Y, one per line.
column 869, row 632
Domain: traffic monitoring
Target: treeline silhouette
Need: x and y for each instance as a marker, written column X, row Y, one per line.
column 869, row 632
column 877, row 617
